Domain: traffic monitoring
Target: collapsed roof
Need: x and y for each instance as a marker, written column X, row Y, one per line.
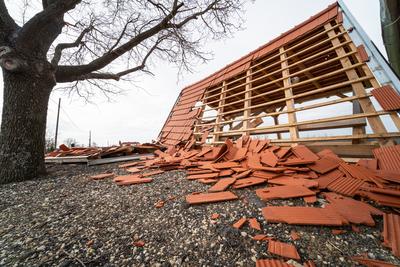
column 325, row 62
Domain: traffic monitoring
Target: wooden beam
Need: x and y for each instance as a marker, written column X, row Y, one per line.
column 247, row 103
column 294, row 133
column 358, row 87
column 220, row 110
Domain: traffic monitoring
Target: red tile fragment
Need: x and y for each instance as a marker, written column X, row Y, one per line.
column 133, row 170
column 388, row 158
column 139, row 243
column 288, row 180
column 242, row 174
column 381, row 199
column 310, row 199
column 362, row 53
column 283, row 249
column 207, row 181
column 159, row 204
column 372, row 263
column 222, row 184
column 304, row 152
column 225, row 165
column 282, row 192
column 269, row 158
column 203, row 176
column 345, row 185
column 294, row 235
column 371, row 164
column 391, row 232
column 239, row 223
column 328, row 178
column 102, row 176
column 261, row 237
column 129, row 164
column 214, row 216
column 387, row 97
column 355, row 229
column 323, row 165
column 152, row 173
column 282, row 152
column 254, row 224
column 302, row 216
column 272, row 263
column 246, row 182
column 132, row 179
column 338, row 231
column 210, row 197
column 225, row 173
column 64, row 147
column 352, row 210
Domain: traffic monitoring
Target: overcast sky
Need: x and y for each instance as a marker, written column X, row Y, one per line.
column 139, row 114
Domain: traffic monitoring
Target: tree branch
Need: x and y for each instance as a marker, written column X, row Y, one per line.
column 116, row 76
column 107, row 58
column 43, row 28
column 60, row 47
column 7, row 23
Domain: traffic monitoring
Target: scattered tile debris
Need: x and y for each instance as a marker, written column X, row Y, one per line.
column 102, row 176
column 283, row 249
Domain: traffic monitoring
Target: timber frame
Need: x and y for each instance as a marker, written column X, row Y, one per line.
column 318, row 64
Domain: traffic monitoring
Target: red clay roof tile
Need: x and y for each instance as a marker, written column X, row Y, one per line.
column 372, row 263
column 283, row 249
column 323, row 165
column 102, row 176
column 391, row 232
column 303, row 216
column 289, row 180
column 222, row 184
column 272, row 263
column 345, row 186
column 269, row 158
column 203, row 176
column 388, row 158
column 239, row 223
column 210, row 197
column 387, row 97
column 282, row 192
column 304, row 152
column 246, row 182
column 254, row 224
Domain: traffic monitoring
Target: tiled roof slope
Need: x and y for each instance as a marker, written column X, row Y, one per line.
column 179, row 124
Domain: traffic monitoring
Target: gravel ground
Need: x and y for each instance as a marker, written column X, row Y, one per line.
column 66, row 219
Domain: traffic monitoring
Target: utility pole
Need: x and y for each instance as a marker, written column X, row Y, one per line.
column 90, row 138
column 58, row 117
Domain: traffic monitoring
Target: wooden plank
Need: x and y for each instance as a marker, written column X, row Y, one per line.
column 360, row 151
column 294, row 133
column 247, row 103
column 220, row 110
column 358, row 88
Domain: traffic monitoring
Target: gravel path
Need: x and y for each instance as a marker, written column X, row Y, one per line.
column 66, row 219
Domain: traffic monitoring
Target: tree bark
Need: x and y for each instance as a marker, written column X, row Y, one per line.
column 23, row 127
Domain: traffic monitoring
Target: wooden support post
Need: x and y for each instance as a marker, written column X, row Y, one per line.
column 276, row 122
column 294, row 133
column 247, row 103
column 358, row 87
column 221, row 103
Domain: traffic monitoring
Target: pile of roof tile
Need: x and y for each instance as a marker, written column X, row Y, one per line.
column 289, row 172
column 103, row 152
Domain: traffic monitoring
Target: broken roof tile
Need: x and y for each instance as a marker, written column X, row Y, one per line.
column 134, row 180
column 283, row 249
column 152, row 173
column 242, row 174
column 391, row 232
column 254, row 224
column 304, row 152
column 289, row 180
column 387, row 97
column 268, row 157
column 323, row 165
column 225, row 165
column 245, row 182
column 203, row 176
column 282, row 192
column 225, row 173
column 222, row 184
column 272, row 263
column 388, row 158
column 102, row 176
column 310, row 199
column 294, row 235
column 239, row 223
column 133, row 170
column 372, row 263
column 328, row 178
column 210, row 197
column 302, row 216
column 345, row 185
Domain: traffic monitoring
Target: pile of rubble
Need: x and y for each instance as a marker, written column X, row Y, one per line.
column 287, row 172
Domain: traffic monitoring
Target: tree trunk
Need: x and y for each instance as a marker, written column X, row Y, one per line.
column 23, row 127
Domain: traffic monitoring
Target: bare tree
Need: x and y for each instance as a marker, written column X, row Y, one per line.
column 86, row 42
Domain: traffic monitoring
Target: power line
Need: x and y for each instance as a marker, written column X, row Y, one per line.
column 69, row 118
